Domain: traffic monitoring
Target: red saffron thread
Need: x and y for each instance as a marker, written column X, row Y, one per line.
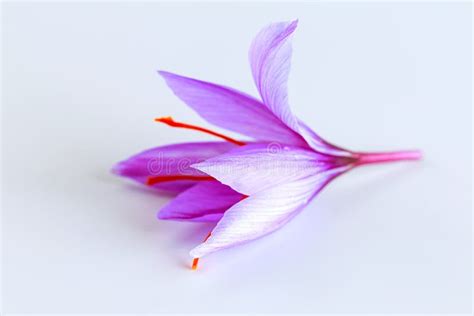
column 151, row 180
column 170, row 122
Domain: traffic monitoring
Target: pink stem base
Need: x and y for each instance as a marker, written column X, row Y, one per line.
column 370, row 158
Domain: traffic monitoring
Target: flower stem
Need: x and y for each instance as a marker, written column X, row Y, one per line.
column 370, row 158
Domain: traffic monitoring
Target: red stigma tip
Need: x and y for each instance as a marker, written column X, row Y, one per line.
column 165, row 119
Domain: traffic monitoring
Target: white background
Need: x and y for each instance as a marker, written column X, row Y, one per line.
column 80, row 92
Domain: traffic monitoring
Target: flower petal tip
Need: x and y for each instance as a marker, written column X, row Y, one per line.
column 166, row 214
column 165, row 74
column 291, row 25
column 162, row 215
column 117, row 169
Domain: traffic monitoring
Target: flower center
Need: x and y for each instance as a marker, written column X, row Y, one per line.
column 169, row 121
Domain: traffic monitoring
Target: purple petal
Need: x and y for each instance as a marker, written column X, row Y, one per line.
column 270, row 58
column 204, row 202
column 170, row 160
column 257, row 167
column 263, row 213
column 231, row 109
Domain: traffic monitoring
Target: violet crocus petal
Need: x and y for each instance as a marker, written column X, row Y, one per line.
column 170, row 160
column 204, row 202
column 270, row 59
column 257, row 167
column 263, row 213
column 231, row 109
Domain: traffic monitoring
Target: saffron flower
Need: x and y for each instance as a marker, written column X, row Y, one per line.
column 249, row 188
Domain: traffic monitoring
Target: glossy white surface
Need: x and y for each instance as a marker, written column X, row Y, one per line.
column 80, row 92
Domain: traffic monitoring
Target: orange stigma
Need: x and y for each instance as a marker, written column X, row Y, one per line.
column 169, row 121
column 195, row 263
column 196, row 260
column 151, row 180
